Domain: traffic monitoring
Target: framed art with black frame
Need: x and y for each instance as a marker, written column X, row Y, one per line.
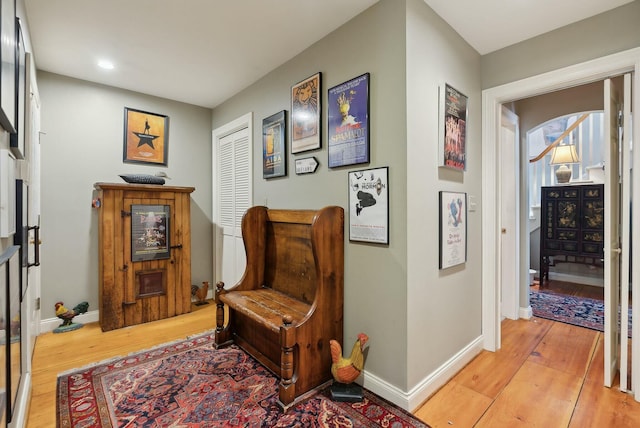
column 146, row 137
column 274, row 145
column 8, row 68
column 369, row 205
column 348, row 108
column 150, row 232
column 453, row 229
column 16, row 139
column 452, row 130
column 306, row 111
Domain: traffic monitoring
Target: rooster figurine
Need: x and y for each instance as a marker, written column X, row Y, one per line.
column 346, row 370
column 200, row 293
column 67, row 316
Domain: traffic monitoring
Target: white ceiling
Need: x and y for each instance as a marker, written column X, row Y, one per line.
column 203, row 52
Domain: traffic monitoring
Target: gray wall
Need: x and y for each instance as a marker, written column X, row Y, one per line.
column 444, row 306
column 82, row 145
column 397, row 42
column 595, row 37
column 375, row 275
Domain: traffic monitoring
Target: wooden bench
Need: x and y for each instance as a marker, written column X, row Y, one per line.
column 289, row 303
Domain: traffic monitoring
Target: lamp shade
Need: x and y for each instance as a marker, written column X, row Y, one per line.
column 564, row 154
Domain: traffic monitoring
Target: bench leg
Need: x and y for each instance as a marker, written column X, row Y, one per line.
column 287, row 388
column 222, row 333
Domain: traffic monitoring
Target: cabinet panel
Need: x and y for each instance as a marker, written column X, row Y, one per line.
column 572, row 226
column 135, row 292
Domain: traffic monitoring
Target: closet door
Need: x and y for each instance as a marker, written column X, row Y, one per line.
column 234, row 198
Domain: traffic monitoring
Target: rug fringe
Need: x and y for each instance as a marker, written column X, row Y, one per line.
column 117, row 357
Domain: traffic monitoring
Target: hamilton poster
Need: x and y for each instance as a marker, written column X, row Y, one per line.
column 369, row 205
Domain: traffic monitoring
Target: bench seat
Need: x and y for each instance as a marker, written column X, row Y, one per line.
column 267, row 306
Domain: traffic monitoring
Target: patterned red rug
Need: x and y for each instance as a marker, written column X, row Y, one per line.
column 191, row 384
column 580, row 311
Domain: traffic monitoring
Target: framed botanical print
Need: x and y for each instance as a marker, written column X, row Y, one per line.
column 305, row 114
column 274, row 145
column 146, row 137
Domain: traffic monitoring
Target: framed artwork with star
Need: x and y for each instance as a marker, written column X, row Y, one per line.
column 146, row 137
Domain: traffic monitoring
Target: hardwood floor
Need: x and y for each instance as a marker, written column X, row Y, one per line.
column 547, row 374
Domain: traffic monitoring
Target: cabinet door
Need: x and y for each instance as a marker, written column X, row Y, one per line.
column 149, row 286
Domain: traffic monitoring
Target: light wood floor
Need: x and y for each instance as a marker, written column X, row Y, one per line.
column 547, row 374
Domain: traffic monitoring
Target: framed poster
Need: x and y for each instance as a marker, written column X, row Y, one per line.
column 349, row 122
column 453, row 229
column 305, row 114
column 453, row 128
column 16, row 139
column 8, row 101
column 146, row 137
column 369, row 205
column 150, row 232
column 274, row 145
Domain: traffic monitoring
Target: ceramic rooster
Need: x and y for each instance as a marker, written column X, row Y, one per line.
column 200, row 293
column 67, row 315
column 346, row 370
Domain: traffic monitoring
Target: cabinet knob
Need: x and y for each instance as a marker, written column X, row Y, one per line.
column 503, row 230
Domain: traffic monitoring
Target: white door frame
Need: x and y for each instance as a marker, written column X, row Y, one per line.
column 492, row 99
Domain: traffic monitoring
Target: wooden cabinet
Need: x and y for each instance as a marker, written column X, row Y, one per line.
column 572, row 227
column 144, row 252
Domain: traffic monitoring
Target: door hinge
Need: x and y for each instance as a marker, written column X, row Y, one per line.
column 38, row 304
column 620, row 119
column 124, row 213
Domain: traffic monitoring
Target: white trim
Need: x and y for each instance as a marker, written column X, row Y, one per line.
column 492, row 99
column 587, row 280
column 420, row 393
column 23, row 400
column 50, row 324
column 526, row 313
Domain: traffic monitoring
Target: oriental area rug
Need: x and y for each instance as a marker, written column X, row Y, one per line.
column 191, row 384
column 580, row 311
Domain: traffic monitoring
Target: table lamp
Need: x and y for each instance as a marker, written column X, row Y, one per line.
column 563, row 155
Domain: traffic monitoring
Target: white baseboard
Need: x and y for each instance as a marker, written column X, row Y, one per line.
column 587, row 280
column 416, row 396
column 526, row 313
column 19, row 419
column 50, row 324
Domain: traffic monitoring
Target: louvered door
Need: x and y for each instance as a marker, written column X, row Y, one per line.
column 234, row 184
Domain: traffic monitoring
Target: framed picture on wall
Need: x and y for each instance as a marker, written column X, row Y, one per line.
column 274, row 145
column 369, row 205
column 348, row 108
column 8, row 101
column 16, row 139
column 150, row 232
column 305, row 114
column 453, row 229
column 452, row 128
column 146, row 137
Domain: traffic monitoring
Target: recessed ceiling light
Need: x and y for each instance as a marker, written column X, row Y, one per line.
column 107, row 65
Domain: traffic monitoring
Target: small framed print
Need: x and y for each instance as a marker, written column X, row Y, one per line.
column 369, row 205
column 150, row 232
column 348, row 108
column 146, row 137
column 452, row 128
column 453, row 229
column 305, row 114
column 274, row 145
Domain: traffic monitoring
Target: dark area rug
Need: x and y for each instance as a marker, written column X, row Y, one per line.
column 580, row 311
column 191, row 384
